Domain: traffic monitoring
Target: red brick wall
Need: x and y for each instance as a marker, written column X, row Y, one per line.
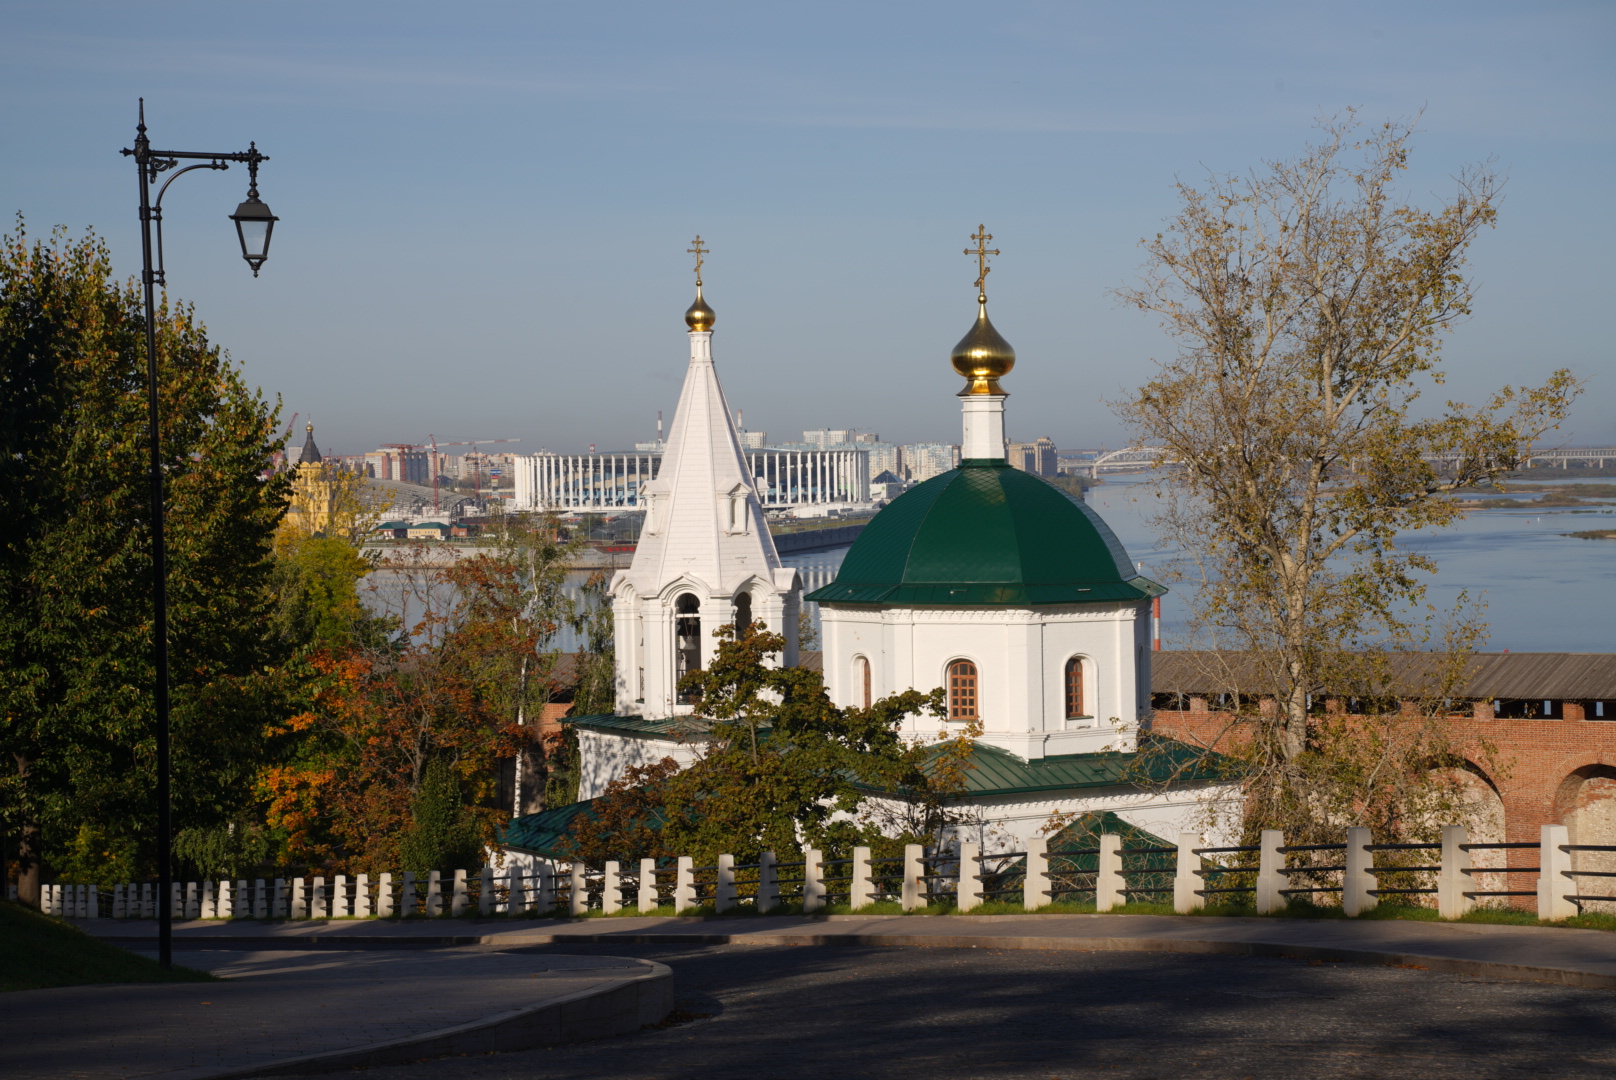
column 1534, row 758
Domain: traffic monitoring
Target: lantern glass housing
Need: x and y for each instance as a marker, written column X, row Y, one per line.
column 254, row 224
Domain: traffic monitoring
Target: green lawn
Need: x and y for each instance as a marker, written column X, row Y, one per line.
column 1004, row 907
column 37, row 951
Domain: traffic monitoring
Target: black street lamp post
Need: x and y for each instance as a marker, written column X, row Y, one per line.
column 254, row 224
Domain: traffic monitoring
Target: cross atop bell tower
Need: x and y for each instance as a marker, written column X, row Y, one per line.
column 698, row 251
column 981, row 251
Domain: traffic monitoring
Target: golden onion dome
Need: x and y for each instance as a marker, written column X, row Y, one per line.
column 983, row 355
column 699, row 316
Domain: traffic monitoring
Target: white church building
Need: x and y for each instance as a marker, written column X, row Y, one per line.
column 990, row 582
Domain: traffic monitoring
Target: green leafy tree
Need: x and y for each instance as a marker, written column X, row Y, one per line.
column 780, row 767
column 441, row 835
column 1309, row 304
column 76, row 704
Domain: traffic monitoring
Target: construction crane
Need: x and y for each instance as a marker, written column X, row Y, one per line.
column 477, row 486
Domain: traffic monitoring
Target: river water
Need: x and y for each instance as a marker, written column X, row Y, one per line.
column 1544, row 591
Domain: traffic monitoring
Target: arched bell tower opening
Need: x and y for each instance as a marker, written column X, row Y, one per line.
column 743, row 613
column 686, row 641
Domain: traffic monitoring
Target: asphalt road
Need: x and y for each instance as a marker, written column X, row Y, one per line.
column 812, row 1013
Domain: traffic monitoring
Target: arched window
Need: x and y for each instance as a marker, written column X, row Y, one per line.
column 962, row 690
column 1074, row 688
column 861, row 680
column 743, row 613
column 687, row 640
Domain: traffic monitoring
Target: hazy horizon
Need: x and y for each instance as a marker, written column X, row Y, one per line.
column 485, row 208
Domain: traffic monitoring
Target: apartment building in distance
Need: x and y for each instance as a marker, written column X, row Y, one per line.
column 1036, row 457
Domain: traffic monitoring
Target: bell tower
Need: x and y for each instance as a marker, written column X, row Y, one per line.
column 705, row 556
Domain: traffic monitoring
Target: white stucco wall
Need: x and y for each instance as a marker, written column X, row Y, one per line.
column 1020, row 656
column 1008, row 822
column 603, row 757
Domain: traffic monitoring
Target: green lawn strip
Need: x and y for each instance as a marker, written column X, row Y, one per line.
column 1300, row 910
column 37, row 951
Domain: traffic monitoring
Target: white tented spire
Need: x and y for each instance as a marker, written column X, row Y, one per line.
column 705, row 555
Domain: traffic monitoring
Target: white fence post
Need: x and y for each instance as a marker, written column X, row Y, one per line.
column 647, row 898
column 384, row 896
column 768, row 890
column 210, row 904
column 95, row 903
column 578, row 898
column 117, row 901
column 515, row 890
column 611, row 888
column 260, row 908
column 1270, row 861
column 485, row 891
column 546, row 901
column 1108, row 879
column 457, row 903
column 813, row 880
column 361, row 896
column 1036, row 888
column 860, row 888
column 339, row 896
column 914, row 872
column 300, row 904
column 193, row 901
column 1359, row 878
column 1453, row 881
column 684, row 886
column 1554, row 882
column 969, row 893
column 241, row 907
column 1186, row 881
column 321, row 906
column 434, row 893
column 724, row 888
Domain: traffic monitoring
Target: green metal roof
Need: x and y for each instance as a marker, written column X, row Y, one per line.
column 985, row 534
column 993, row 772
column 546, row 833
column 541, row 833
column 998, row 772
column 672, row 727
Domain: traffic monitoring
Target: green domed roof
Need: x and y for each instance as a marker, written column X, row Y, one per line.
column 986, row 534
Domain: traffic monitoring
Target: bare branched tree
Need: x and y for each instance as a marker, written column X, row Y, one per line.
column 1309, row 301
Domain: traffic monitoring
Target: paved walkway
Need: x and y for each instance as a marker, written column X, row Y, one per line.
column 284, row 1004
column 1570, row 957
column 849, row 1013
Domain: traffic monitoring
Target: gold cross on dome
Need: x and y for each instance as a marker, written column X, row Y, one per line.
column 981, row 251
column 698, row 251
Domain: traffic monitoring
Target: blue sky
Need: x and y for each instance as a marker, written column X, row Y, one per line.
column 485, row 206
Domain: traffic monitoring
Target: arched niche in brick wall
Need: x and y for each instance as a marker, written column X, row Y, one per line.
column 1586, row 804
column 1481, row 811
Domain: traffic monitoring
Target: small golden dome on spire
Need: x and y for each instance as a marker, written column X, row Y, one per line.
column 982, row 355
column 699, row 316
